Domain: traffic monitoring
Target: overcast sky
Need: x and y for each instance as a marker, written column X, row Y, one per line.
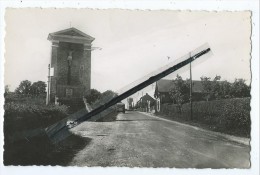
column 133, row 43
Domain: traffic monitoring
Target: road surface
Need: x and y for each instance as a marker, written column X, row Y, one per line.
column 139, row 140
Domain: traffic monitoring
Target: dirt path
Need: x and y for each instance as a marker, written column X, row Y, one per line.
column 137, row 140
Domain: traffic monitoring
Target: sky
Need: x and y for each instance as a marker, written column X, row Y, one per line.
column 134, row 43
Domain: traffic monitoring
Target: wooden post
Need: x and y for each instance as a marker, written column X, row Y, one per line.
column 48, row 86
column 191, row 117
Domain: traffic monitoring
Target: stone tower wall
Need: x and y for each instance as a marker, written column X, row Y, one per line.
column 80, row 76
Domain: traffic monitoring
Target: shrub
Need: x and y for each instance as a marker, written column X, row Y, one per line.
column 104, row 98
column 236, row 115
column 25, row 99
column 93, row 96
column 19, row 108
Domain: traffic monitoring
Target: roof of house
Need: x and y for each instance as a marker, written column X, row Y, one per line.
column 145, row 98
column 165, row 85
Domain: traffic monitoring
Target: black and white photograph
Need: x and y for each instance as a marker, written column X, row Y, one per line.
column 127, row 88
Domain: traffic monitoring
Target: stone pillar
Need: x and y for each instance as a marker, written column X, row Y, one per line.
column 87, row 67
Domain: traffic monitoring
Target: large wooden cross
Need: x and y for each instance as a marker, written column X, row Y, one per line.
column 69, row 66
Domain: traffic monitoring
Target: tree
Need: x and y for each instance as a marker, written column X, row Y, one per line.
column 93, row 96
column 206, row 84
column 24, row 87
column 7, row 89
column 225, row 89
column 216, row 87
column 108, row 95
column 211, row 89
column 179, row 93
column 38, row 88
column 104, row 98
column 217, row 78
column 240, row 89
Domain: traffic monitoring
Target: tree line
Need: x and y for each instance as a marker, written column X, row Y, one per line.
column 224, row 89
column 211, row 89
column 179, row 93
column 26, row 87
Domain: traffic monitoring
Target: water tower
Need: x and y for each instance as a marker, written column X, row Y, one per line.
column 70, row 66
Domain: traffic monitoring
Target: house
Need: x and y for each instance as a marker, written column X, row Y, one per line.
column 164, row 86
column 146, row 102
column 162, row 89
column 130, row 102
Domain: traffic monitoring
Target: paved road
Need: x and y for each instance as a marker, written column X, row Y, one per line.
column 139, row 140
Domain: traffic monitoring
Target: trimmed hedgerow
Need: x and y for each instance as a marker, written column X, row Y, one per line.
column 229, row 116
column 30, row 113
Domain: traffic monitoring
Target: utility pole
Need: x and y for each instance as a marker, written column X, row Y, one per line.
column 142, row 100
column 48, row 86
column 191, row 117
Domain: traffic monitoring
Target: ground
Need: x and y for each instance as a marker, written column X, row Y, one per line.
column 140, row 140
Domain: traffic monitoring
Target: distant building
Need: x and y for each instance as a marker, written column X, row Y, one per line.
column 146, row 102
column 130, row 102
column 71, row 65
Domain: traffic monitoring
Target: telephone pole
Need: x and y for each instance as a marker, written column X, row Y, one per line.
column 191, row 117
column 48, row 87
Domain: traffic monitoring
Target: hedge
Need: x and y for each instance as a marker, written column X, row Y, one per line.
column 228, row 115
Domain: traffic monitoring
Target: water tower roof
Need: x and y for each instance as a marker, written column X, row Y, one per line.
column 72, row 35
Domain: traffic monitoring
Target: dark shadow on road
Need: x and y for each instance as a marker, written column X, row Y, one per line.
column 137, row 120
column 40, row 151
column 126, row 113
